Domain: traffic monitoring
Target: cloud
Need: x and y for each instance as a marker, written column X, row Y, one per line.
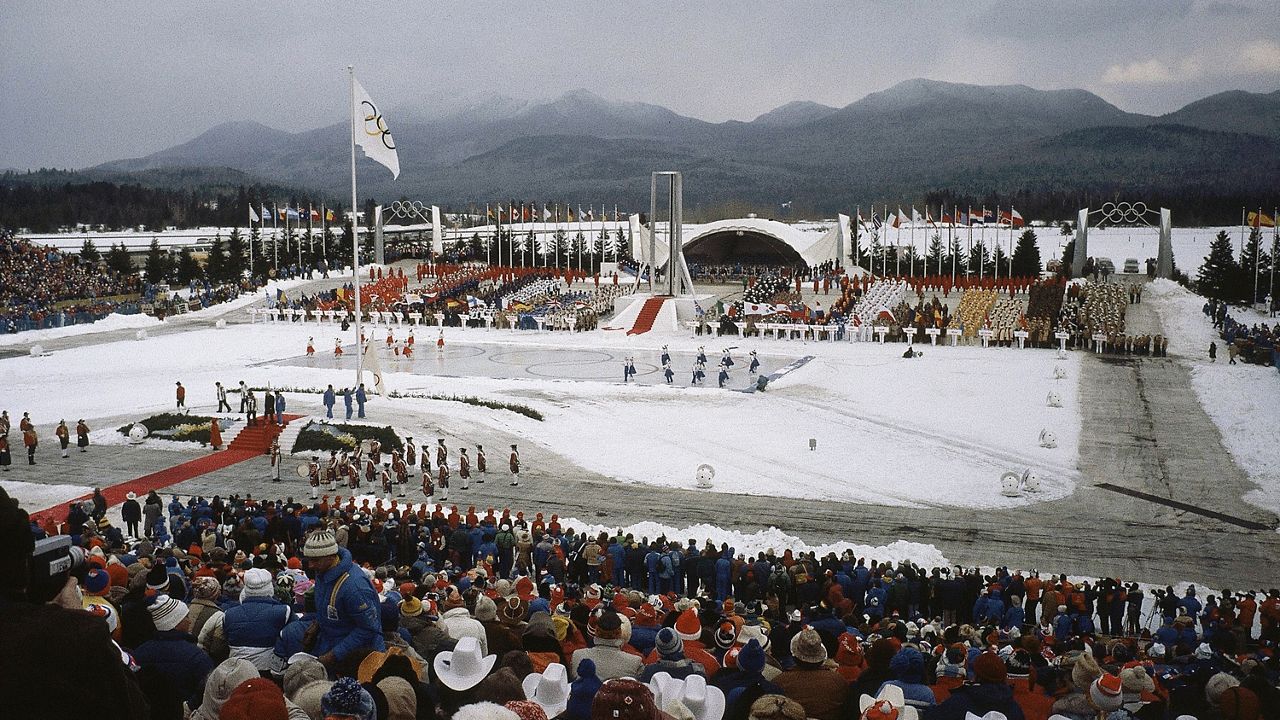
column 1256, row 57
column 1145, row 72
column 1260, row 56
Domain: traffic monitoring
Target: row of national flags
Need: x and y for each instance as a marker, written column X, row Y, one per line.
column 289, row 214
column 967, row 217
column 1260, row 219
column 549, row 212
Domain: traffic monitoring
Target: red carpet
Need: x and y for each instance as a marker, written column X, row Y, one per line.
column 250, row 443
column 648, row 313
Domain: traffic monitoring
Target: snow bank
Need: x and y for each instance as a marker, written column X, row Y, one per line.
column 38, row 496
column 114, row 321
column 1240, row 399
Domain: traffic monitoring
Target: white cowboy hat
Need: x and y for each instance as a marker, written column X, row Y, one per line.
column 465, row 667
column 131, row 495
column 549, row 689
column 893, row 695
column 705, row 702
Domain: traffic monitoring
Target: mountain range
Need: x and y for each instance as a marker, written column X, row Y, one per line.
column 918, row 138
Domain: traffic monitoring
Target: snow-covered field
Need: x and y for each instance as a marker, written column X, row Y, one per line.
column 113, row 321
column 939, row 430
column 1242, row 400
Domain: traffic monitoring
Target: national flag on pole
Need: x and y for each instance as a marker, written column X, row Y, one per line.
column 546, row 213
column 568, row 214
column 315, row 215
column 371, row 132
column 265, row 212
column 328, row 215
column 253, row 216
column 915, row 216
column 875, row 220
column 976, row 218
column 988, row 216
column 928, row 218
column 1015, row 218
column 369, row 363
column 1261, row 220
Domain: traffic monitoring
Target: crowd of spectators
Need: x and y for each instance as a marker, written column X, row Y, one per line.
column 1255, row 343
column 40, row 285
column 417, row 612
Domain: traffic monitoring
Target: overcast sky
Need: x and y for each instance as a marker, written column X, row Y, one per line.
column 86, row 82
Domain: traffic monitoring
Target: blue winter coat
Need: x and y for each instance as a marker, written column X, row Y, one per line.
column 329, row 398
column 346, row 399
column 360, row 396
column 176, row 656
column 349, row 618
column 978, row 699
column 256, row 622
column 1014, row 617
column 279, row 403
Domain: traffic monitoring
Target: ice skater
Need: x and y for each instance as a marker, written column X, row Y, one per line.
column 515, row 465
column 702, row 355
column 480, row 464
column 626, row 369
column 631, row 366
column 409, row 340
column 726, row 359
column 666, row 356
column 755, row 363
column 391, row 336
column 667, row 372
column 440, row 343
column 407, row 350
column 311, row 347
column 724, row 374
column 337, row 347
column 698, row 373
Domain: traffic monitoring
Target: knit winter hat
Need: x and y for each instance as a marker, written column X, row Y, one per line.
column 1018, row 664
column 167, row 612
column 1135, row 680
column 486, row 609
column 807, row 646
column 321, row 543
column 257, row 583
column 726, row 633
column 346, row 699
column 1217, row 685
column 223, row 680
column 582, row 692
column 158, row 578
column 751, row 657
column 908, row 665
column 255, row 699
column 669, row 645
column 205, row 588
column 97, row 582
column 1239, row 703
column 411, row 607
column 989, row 668
column 624, row 699
column 688, row 627
column 1105, row 692
column 1085, row 670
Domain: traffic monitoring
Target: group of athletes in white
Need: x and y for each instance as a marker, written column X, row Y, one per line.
column 392, row 475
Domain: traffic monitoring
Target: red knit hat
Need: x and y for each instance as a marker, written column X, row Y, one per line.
column 623, row 699
column 255, row 699
column 989, row 668
column 687, row 625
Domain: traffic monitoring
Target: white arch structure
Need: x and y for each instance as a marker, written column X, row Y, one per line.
column 832, row 245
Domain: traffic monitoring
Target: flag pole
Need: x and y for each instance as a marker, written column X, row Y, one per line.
column 355, row 225
column 1257, row 250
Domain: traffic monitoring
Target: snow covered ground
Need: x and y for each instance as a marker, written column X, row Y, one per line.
column 1240, row 399
column 40, row 495
column 939, row 430
column 113, row 321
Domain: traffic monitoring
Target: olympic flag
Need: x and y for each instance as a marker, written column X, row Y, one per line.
column 371, row 132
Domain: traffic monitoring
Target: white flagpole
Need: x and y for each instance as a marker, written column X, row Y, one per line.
column 1257, row 250
column 355, row 227
column 912, row 257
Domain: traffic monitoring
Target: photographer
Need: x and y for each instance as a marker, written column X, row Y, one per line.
column 56, row 660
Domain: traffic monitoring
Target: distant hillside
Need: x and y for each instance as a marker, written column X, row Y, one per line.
column 908, row 141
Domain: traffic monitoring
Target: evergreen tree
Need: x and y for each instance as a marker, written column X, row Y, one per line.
column 999, row 260
column 1026, row 256
column 157, row 264
column 329, row 247
column 622, row 251
column 1254, row 266
column 955, row 259
column 237, row 258
column 1068, row 254
column 119, row 261
column 933, row 261
column 89, row 253
column 979, row 260
column 1219, row 275
column 215, row 264
column 188, row 267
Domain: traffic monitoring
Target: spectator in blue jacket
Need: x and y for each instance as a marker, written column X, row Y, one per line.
column 361, row 398
column 347, row 608
column 330, row 398
column 172, row 652
column 253, row 627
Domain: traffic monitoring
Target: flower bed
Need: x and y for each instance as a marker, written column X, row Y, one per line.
column 321, row 437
